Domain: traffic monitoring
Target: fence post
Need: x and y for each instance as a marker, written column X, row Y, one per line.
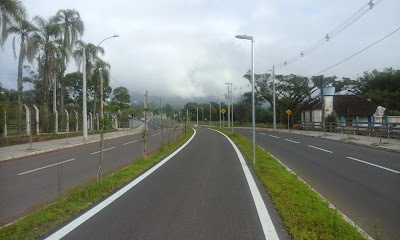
column 5, row 123
column 28, row 120
column 91, row 121
column 37, row 119
column 55, row 121
column 67, row 115
column 98, row 122
column 76, row 125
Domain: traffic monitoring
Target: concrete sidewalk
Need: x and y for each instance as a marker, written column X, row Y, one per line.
column 22, row 150
column 392, row 145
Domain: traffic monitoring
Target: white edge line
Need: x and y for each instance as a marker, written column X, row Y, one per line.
column 130, row 142
column 346, row 218
column 103, row 150
column 321, row 149
column 378, row 166
column 265, row 219
column 51, row 165
column 81, row 219
column 290, row 140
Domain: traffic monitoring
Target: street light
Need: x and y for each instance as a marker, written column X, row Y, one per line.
column 202, row 114
column 101, row 115
column 210, row 112
column 252, row 91
column 230, row 84
column 84, row 104
column 197, row 108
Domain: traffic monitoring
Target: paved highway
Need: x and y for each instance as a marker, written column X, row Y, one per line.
column 203, row 192
column 30, row 182
column 362, row 182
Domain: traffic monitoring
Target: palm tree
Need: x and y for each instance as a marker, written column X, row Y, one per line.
column 22, row 29
column 92, row 58
column 50, row 48
column 71, row 27
column 100, row 68
column 9, row 10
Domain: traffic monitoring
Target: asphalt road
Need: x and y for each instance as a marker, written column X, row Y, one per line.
column 362, row 182
column 30, row 182
column 200, row 193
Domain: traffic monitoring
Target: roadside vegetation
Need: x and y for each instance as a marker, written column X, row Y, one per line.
column 305, row 214
column 81, row 198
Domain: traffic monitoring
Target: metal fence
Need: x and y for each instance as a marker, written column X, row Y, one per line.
column 388, row 130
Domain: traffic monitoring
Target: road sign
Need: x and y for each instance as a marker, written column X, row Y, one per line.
column 223, row 111
column 288, row 112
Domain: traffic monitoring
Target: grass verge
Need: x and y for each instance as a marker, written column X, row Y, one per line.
column 80, row 198
column 305, row 214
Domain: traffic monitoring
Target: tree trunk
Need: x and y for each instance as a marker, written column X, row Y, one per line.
column 19, row 83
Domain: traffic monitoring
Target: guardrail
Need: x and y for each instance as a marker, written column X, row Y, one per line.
column 387, row 130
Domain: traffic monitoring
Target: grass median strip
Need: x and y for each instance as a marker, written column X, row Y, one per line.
column 305, row 214
column 80, row 198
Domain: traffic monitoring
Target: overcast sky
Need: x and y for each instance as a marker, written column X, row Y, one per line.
column 187, row 48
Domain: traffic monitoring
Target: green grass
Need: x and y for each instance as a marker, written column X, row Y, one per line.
column 80, row 198
column 305, row 214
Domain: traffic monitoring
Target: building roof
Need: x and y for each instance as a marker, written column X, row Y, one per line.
column 344, row 105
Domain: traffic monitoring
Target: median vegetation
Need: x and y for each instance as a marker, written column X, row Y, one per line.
column 81, row 198
column 305, row 214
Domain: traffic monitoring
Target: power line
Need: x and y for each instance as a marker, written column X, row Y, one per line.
column 357, row 52
column 333, row 33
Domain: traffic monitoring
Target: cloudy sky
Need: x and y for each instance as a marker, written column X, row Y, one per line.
column 187, row 48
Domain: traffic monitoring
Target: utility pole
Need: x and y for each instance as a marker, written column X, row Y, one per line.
column 273, row 98
column 229, row 111
column 162, row 139
column 219, row 113
column 101, row 127
column 55, row 105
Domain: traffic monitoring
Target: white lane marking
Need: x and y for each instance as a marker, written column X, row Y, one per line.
column 154, row 134
column 265, row 219
column 274, row 136
column 87, row 215
column 103, row 150
column 130, row 142
column 311, row 146
column 51, row 165
column 291, row 141
column 263, row 134
column 378, row 166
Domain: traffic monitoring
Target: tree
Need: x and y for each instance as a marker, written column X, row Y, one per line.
column 50, row 51
column 10, row 11
column 71, row 26
column 121, row 97
column 100, row 70
column 22, row 29
column 383, row 88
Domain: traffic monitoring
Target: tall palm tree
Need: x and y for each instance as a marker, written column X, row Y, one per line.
column 47, row 41
column 71, row 26
column 10, row 10
column 92, row 57
column 22, row 29
column 100, row 68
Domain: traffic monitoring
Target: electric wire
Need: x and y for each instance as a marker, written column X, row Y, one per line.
column 355, row 54
column 333, row 33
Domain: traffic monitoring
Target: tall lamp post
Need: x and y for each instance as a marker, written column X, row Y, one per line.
column 230, row 92
column 202, row 114
column 251, row 38
column 101, row 116
column 197, row 108
column 210, row 113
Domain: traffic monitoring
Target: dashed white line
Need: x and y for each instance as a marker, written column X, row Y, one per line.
column 378, row 166
column 130, row 142
column 291, row 141
column 103, row 150
column 274, row 136
column 263, row 134
column 51, row 165
column 321, row 149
